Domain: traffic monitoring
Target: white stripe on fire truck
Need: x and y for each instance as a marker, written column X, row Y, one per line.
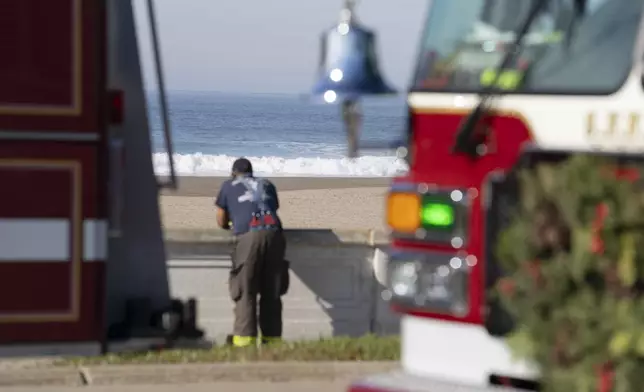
column 94, row 240
column 48, row 240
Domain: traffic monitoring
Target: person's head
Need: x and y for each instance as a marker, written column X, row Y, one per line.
column 242, row 167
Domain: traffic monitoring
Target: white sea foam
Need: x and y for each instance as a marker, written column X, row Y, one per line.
column 216, row 165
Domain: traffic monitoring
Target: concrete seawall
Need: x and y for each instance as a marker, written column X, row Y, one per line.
column 336, row 281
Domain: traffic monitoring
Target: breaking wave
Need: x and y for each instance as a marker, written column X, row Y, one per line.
column 199, row 164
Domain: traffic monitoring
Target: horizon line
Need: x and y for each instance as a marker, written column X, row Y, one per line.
column 184, row 90
column 246, row 93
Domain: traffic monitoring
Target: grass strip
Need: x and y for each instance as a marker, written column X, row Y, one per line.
column 366, row 348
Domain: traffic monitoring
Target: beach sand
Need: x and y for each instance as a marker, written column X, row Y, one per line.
column 306, row 202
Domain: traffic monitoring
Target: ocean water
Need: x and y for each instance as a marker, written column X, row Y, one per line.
column 282, row 135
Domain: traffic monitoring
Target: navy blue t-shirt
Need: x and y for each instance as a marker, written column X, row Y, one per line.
column 241, row 203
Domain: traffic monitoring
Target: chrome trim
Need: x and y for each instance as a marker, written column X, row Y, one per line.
column 399, row 255
column 172, row 183
column 405, row 187
column 50, row 136
column 423, row 260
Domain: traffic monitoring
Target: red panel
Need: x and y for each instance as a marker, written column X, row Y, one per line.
column 53, row 65
column 35, row 192
column 434, row 163
column 40, row 188
column 45, row 287
column 85, row 155
column 434, row 135
column 40, row 291
column 37, row 52
column 88, row 327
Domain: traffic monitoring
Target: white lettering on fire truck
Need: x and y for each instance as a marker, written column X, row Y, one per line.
column 614, row 127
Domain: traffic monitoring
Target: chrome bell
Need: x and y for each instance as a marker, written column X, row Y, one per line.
column 348, row 66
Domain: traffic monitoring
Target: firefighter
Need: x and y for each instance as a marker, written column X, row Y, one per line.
column 249, row 204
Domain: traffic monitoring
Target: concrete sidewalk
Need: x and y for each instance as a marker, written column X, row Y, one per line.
column 295, row 386
column 191, row 373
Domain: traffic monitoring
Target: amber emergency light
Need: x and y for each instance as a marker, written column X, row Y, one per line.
column 403, row 212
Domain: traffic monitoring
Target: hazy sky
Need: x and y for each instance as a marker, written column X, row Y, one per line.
column 268, row 45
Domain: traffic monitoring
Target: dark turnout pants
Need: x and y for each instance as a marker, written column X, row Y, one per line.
column 258, row 270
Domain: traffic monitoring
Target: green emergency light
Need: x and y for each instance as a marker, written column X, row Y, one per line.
column 437, row 213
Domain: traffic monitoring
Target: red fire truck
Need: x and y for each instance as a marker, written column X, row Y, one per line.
column 81, row 245
column 499, row 84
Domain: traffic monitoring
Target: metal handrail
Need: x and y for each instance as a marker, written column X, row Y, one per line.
column 172, row 183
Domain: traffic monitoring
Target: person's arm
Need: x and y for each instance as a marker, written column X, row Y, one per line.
column 222, row 208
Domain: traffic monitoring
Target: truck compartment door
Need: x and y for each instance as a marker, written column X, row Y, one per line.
column 52, row 174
